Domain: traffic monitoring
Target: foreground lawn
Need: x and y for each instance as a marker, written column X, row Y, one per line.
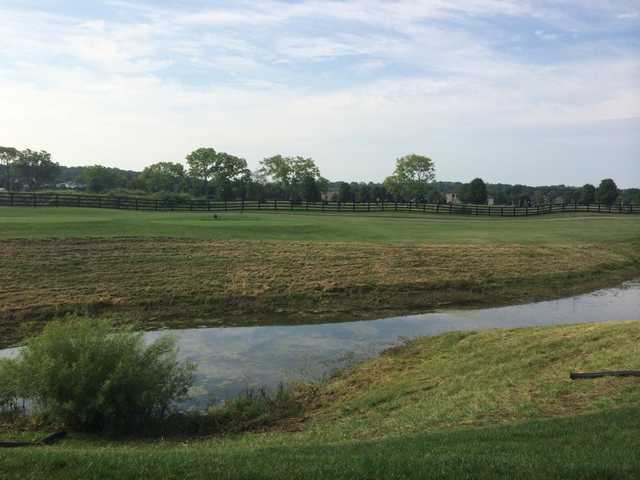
column 181, row 270
column 494, row 404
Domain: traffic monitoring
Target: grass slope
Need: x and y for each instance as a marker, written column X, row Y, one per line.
column 264, row 269
column 494, row 404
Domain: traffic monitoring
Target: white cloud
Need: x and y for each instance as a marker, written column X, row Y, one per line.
column 119, row 93
column 629, row 15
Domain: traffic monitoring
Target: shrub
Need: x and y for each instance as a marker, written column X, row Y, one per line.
column 91, row 376
column 253, row 410
column 8, row 385
column 258, row 407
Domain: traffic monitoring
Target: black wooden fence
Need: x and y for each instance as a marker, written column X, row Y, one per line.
column 160, row 205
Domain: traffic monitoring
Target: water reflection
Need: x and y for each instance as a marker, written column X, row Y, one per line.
column 231, row 359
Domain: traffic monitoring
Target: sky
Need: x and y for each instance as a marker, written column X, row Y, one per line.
column 514, row 91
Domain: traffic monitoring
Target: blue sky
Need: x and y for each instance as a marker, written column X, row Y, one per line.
column 525, row 91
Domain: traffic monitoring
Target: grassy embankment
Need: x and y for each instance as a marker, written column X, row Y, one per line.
column 493, row 404
column 180, row 269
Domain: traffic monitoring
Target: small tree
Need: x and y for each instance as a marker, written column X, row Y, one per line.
column 94, row 377
column 475, row 192
column 101, row 179
column 345, row 193
column 163, row 177
column 587, row 194
column 607, row 192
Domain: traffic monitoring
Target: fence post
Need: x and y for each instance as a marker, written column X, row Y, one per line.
column 339, row 206
column 11, row 198
column 275, row 205
column 226, row 207
column 136, row 204
column 33, row 199
column 396, row 207
column 450, row 207
column 242, row 206
column 156, row 204
column 354, row 205
column 368, row 206
column 322, row 205
column 306, row 205
column 291, row 204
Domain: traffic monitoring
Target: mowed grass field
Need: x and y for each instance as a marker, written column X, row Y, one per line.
column 567, row 229
column 476, row 405
column 182, row 269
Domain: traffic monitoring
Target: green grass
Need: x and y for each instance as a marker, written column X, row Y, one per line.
column 493, row 404
column 182, row 270
column 23, row 222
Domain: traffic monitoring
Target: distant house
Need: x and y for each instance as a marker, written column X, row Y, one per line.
column 330, row 196
column 452, row 198
column 69, row 185
column 490, row 201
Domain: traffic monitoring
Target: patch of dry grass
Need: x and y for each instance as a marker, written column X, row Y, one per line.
column 186, row 282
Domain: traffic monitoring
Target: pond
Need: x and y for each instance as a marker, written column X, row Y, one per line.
column 230, row 360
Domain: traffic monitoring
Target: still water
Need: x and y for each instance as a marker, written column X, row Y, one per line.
column 230, row 360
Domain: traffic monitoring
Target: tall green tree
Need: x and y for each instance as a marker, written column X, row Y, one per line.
column 222, row 169
column 295, row 175
column 587, row 194
column 34, row 169
column 411, row 178
column 8, row 156
column 163, row 177
column 607, row 192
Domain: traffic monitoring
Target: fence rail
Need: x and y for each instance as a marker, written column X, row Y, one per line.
column 148, row 204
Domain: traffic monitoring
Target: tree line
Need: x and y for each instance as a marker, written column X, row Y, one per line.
column 208, row 173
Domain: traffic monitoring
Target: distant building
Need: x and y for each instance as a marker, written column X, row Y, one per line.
column 330, row 196
column 490, row 201
column 452, row 198
column 69, row 185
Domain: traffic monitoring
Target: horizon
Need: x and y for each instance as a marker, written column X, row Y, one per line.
column 512, row 92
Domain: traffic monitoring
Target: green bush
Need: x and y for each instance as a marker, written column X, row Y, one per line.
column 253, row 410
column 91, row 376
column 8, row 385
